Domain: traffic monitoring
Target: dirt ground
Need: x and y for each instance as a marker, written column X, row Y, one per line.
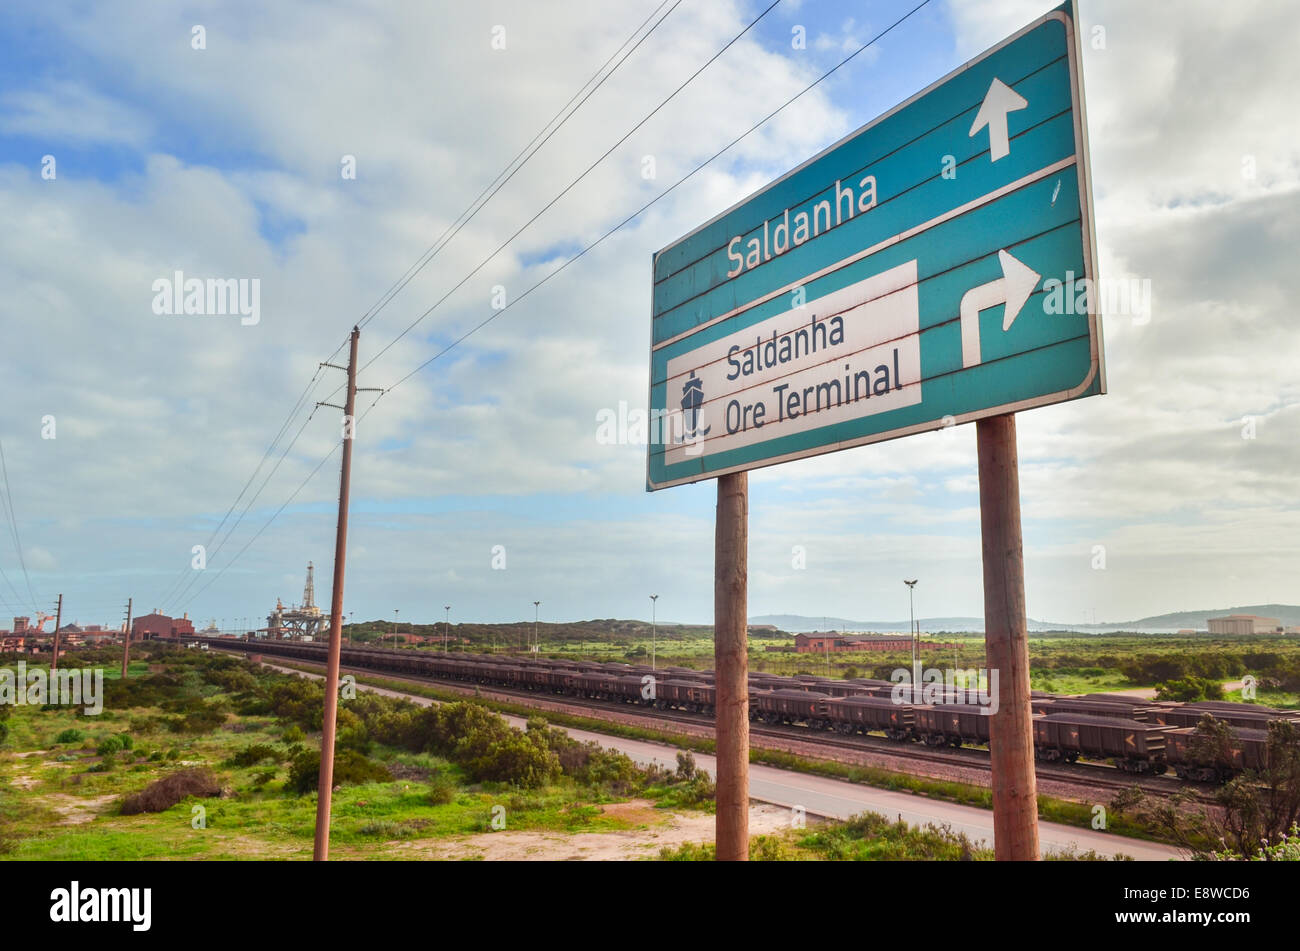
column 656, row 829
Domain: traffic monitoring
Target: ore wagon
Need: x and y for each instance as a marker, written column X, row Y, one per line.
column 789, row 706
column 871, row 715
column 952, row 725
column 1193, row 757
column 1135, row 747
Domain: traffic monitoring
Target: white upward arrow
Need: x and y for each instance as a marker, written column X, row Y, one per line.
column 998, row 101
column 1012, row 288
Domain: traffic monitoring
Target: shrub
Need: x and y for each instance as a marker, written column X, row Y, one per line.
column 168, row 791
column 264, row 777
column 252, row 755
column 109, row 745
column 70, row 736
column 197, row 721
column 518, row 758
column 350, row 769
column 293, row 735
column 386, row 828
column 441, row 790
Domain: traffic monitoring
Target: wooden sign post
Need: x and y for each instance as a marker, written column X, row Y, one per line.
column 1011, row 735
column 731, row 665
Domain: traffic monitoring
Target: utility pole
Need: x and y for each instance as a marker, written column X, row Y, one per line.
column 126, row 639
column 654, row 629
column 325, row 786
column 446, row 628
column 537, row 607
column 912, row 638
column 58, row 620
column 1011, row 738
column 730, row 664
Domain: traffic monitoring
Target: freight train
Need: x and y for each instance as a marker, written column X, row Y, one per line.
column 1138, row 736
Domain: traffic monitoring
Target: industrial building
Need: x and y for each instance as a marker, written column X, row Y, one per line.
column 824, row 643
column 1244, row 624
column 156, row 625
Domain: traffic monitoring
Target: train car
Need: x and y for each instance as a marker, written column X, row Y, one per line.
column 789, row 706
column 1136, row 747
column 952, row 724
column 872, row 715
column 1245, row 715
column 1128, row 698
column 1098, row 708
column 604, row 685
column 1190, row 759
column 691, row 695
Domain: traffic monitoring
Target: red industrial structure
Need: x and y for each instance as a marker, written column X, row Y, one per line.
column 823, row 643
column 160, row 625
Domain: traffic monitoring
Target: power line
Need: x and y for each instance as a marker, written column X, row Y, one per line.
column 176, row 584
column 497, row 313
column 177, row 588
column 502, row 177
column 843, row 62
column 571, row 184
column 13, row 525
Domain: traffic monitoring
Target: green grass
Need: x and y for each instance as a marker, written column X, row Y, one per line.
column 255, row 818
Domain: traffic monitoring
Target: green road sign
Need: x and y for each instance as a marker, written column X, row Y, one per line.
column 901, row 281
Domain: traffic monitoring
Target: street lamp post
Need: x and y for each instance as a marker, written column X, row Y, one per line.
column 912, row 636
column 537, row 607
column 446, row 628
column 394, row 628
column 654, row 629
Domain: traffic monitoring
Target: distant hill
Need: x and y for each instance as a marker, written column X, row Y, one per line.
column 798, row 623
column 1287, row 614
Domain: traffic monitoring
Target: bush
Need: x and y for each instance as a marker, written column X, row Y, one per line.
column 252, row 755
column 109, row 745
column 1189, row 690
column 293, row 735
column 168, row 791
column 519, row 758
column 70, row 736
column 441, row 790
column 350, row 769
column 264, row 777
column 197, row 721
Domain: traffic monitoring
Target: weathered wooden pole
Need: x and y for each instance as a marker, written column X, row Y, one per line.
column 126, row 639
column 1011, row 742
column 329, row 720
column 731, row 665
column 58, row 620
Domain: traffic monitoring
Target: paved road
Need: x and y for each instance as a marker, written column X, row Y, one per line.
column 836, row 799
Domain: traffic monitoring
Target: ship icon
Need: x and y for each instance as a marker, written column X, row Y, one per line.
column 692, row 400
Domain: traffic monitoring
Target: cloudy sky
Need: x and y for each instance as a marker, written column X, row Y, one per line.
column 127, row 154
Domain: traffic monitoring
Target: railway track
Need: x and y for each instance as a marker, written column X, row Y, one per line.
column 1090, row 774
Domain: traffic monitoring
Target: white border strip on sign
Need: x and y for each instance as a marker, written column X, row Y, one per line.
column 1087, row 224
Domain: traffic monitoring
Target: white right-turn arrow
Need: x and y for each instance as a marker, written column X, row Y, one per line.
column 998, row 101
column 1012, row 288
